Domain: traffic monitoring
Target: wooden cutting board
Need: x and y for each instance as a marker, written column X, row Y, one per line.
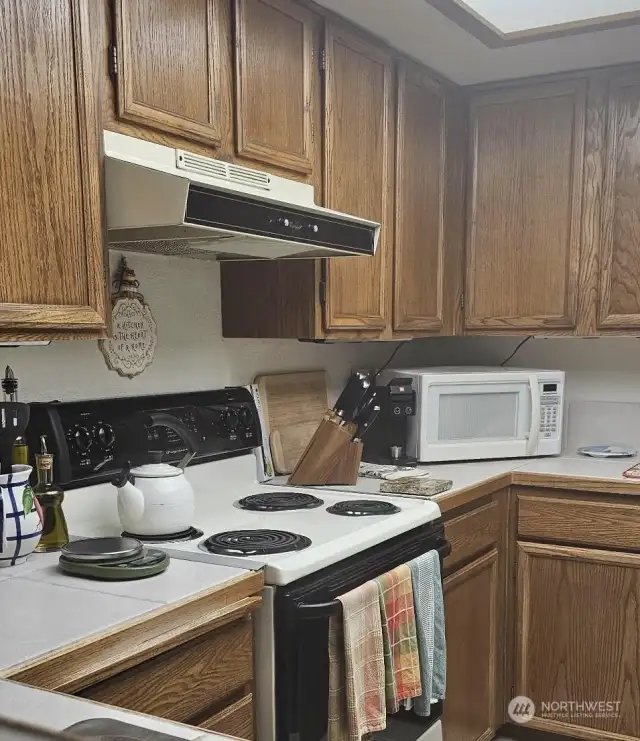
column 293, row 405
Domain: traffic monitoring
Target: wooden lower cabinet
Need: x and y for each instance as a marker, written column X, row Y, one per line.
column 579, row 640
column 472, row 603
column 205, row 682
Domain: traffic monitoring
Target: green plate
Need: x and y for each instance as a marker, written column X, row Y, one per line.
column 150, row 563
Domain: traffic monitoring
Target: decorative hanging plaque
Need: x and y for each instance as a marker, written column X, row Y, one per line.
column 132, row 345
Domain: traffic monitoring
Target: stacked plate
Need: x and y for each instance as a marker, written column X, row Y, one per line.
column 113, row 559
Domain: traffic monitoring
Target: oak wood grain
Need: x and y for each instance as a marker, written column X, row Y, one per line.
column 525, row 194
column 89, row 661
column 276, row 77
column 52, row 255
column 358, row 177
column 472, row 533
column 628, row 487
column 419, row 201
column 472, row 603
column 170, row 66
column 594, row 163
column 182, row 682
column 620, row 256
column 235, row 720
column 593, row 523
column 450, row 501
column 579, row 631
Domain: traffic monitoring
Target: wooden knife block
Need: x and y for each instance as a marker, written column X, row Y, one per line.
column 331, row 457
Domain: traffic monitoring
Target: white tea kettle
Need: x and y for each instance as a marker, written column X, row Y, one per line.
column 156, row 498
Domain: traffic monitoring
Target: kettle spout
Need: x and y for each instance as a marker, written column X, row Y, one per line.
column 130, row 498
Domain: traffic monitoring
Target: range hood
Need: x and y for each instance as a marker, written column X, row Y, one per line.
column 170, row 201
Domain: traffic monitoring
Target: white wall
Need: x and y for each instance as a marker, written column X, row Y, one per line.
column 184, row 296
column 603, row 369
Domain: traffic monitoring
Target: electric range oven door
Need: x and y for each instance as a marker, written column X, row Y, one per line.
column 301, row 620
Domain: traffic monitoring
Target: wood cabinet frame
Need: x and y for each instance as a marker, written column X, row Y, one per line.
column 50, row 321
column 129, row 109
column 569, row 319
column 606, row 319
column 402, row 321
column 333, row 319
column 255, row 150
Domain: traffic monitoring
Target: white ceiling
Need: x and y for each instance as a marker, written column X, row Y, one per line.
column 419, row 30
column 511, row 16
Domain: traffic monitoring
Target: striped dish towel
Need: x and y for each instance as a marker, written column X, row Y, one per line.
column 429, row 606
column 356, row 667
column 402, row 664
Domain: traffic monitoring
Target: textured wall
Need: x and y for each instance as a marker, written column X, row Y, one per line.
column 191, row 354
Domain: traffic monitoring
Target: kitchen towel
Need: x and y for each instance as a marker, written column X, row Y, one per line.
column 356, row 667
column 429, row 610
column 401, row 660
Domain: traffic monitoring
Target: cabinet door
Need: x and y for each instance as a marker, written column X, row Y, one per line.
column 170, row 60
column 50, row 221
column 419, row 223
column 472, row 605
column 578, row 632
column 276, row 83
column 357, row 174
column 620, row 261
column 525, row 202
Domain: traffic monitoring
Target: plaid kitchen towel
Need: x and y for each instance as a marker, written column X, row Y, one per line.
column 402, row 664
column 429, row 607
column 356, row 667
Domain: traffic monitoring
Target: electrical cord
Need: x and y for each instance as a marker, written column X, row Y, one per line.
column 391, row 357
column 518, row 346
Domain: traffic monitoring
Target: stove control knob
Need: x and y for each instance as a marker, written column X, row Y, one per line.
column 246, row 417
column 232, row 420
column 81, row 438
column 105, row 436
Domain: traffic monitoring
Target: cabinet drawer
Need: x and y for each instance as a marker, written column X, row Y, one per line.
column 472, row 533
column 236, row 720
column 185, row 681
column 580, row 521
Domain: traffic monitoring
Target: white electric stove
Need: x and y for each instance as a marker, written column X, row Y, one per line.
column 313, row 544
column 317, row 537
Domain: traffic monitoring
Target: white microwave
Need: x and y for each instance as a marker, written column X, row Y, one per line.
column 478, row 413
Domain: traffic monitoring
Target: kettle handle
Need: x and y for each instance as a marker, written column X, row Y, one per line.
column 162, row 419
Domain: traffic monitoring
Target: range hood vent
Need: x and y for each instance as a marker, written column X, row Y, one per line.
column 169, row 201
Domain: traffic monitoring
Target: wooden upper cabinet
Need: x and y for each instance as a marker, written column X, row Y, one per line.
column 277, row 83
column 358, row 174
column 170, row 66
column 525, row 207
column 619, row 305
column 419, row 202
column 578, row 628
column 51, row 232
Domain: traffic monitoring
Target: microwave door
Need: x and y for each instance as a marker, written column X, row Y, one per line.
column 488, row 418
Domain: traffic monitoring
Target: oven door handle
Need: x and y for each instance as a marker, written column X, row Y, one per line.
column 334, row 607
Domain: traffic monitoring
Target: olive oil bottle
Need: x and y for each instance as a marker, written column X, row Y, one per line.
column 20, row 451
column 50, row 496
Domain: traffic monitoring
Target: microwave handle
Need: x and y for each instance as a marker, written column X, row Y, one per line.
column 534, row 430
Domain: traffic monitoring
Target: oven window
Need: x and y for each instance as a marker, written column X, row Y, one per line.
column 481, row 416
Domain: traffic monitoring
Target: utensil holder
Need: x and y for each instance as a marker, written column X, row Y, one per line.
column 331, row 457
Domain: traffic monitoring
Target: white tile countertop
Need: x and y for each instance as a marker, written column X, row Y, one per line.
column 44, row 609
column 55, row 712
column 476, row 473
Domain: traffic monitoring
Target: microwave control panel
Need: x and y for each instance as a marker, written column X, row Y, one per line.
column 549, row 410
